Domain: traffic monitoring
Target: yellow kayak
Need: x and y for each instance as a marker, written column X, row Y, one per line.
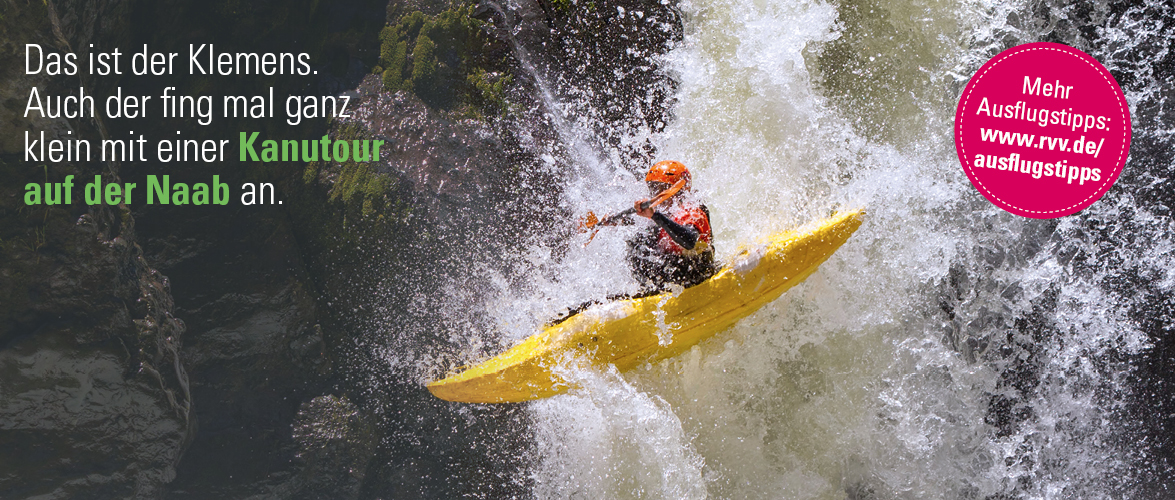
column 630, row 332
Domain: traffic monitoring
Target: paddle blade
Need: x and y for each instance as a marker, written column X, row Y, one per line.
column 592, row 237
column 587, row 222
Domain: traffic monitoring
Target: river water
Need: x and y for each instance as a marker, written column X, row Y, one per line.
column 948, row 350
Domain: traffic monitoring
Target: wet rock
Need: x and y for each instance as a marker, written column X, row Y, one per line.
column 253, row 348
column 457, row 192
column 336, row 442
column 600, row 57
column 447, row 201
column 301, row 323
column 73, row 425
column 94, row 399
column 452, row 161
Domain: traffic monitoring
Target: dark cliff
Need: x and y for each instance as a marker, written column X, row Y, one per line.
column 152, row 351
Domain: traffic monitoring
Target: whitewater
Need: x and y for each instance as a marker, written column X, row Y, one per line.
column 948, row 350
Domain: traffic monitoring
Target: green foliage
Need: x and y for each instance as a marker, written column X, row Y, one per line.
column 395, row 41
column 449, row 63
column 362, row 192
column 311, row 173
column 425, row 67
column 489, row 89
column 563, row 5
column 439, row 58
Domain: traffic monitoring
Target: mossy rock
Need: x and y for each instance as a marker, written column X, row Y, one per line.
column 447, row 60
column 361, row 198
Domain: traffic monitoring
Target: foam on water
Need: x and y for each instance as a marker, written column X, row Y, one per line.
column 948, row 350
column 588, row 441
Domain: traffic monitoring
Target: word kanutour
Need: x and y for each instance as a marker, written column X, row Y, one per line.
column 39, row 149
column 338, row 150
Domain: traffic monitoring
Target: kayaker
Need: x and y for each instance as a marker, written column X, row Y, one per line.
column 677, row 247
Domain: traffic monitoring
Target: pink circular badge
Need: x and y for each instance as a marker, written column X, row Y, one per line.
column 1042, row 130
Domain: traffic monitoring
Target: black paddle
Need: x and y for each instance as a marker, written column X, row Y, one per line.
column 591, row 222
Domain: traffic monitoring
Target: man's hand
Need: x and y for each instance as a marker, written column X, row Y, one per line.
column 646, row 212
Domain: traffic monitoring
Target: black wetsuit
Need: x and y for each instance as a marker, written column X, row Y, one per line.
column 656, row 269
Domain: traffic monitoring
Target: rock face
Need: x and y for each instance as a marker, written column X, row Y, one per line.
column 253, row 349
column 94, row 399
column 381, row 239
column 599, row 60
column 476, row 193
column 306, row 327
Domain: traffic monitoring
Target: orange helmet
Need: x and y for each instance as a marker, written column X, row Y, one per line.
column 668, row 172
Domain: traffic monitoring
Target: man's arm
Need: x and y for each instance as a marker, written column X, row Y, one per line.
column 684, row 235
